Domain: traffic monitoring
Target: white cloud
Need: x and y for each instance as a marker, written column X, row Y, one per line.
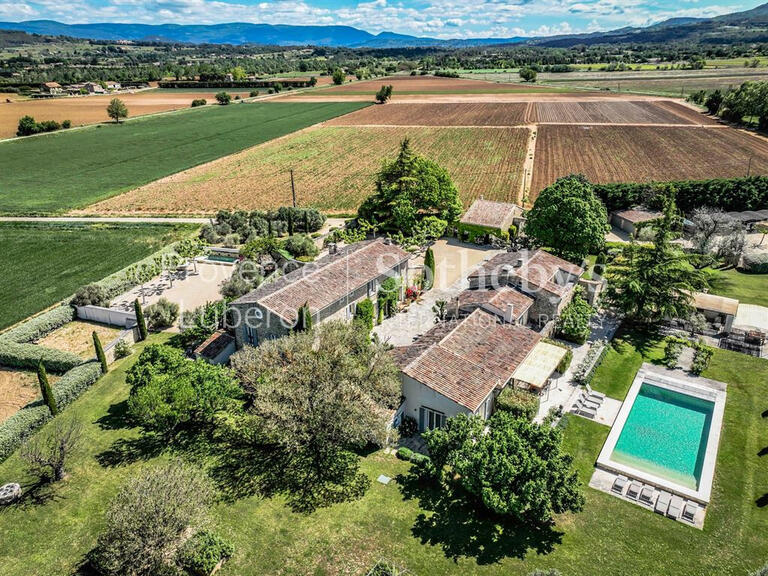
column 438, row 18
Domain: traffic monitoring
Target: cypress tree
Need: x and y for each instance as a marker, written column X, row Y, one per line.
column 306, row 221
column 290, row 223
column 102, row 358
column 303, row 319
column 141, row 323
column 429, row 269
column 45, row 389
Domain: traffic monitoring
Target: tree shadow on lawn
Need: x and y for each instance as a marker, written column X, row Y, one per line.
column 35, row 492
column 642, row 337
column 463, row 529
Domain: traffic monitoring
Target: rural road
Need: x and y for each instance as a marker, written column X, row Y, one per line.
column 105, row 220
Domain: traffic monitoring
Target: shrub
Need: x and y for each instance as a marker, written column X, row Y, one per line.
column 672, row 350
column 404, row 453
column 91, row 295
column 364, row 313
column 300, row 245
column 565, row 363
column 408, row 426
column 147, row 518
column 518, row 402
column 253, row 94
column 573, row 322
column 429, row 269
column 37, row 327
column 512, row 232
column 701, row 358
column 755, row 262
column 122, row 349
column 231, row 240
column 100, row 356
column 162, row 314
column 201, row 553
column 66, row 124
column 223, row 98
column 45, row 389
column 199, row 102
column 209, row 234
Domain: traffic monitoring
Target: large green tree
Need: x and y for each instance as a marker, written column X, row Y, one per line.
column 169, row 390
column 408, row 189
column 316, row 398
column 650, row 283
column 512, row 466
column 569, row 218
column 117, row 110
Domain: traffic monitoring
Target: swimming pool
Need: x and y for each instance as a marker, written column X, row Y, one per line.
column 666, row 434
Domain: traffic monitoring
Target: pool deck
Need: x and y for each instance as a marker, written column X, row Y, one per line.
column 679, row 381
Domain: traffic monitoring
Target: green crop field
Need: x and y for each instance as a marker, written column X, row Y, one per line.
column 72, row 169
column 44, row 263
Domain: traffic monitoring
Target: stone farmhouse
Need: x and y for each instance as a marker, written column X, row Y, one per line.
column 548, row 280
column 331, row 287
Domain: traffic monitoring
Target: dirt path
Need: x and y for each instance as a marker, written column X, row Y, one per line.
column 525, row 185
column 105, row 220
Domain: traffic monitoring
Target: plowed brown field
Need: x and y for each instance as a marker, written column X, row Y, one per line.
column 644, row 153
column 92, row 109
column 503, row 114
column 618, row 112
column 334, row 170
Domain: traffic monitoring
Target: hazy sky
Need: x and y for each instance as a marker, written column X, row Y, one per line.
column 437, row 18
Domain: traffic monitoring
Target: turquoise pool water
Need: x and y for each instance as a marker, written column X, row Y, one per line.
column 666, row 435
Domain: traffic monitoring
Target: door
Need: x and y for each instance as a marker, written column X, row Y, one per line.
column 430, row 419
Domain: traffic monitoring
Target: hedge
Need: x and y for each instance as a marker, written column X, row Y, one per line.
column 728, row 194
column 520, row 403
column 23, row 423
column 41, row 325
column 22, row 355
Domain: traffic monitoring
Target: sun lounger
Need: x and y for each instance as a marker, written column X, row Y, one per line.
column 646, row 495
column 633, row 492
column 599, row 395
column 689, row 511
column 662, row 503
column 619, row 484
column 675, row 507
column 585, row 410
column 585, row 400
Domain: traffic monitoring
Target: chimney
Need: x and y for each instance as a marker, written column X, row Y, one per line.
column 333, row 248
column 509, row 314
column 518, row 263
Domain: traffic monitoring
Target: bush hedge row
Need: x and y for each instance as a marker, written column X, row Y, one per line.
column 21, row 425
column 22, row 355
column 41, row 325
column 728, row 194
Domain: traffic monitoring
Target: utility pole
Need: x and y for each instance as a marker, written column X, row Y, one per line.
column 293, row 189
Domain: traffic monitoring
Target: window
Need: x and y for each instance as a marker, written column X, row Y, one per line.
column 251, row 336
column 351, row 308
column 373, row 287
column 430, row 419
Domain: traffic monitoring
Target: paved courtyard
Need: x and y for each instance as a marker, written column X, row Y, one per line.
column 189, row 292
column 454, row 261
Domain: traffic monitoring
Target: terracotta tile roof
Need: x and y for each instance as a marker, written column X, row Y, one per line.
column 328, row 279
column 214, row 345
column 490, row 214
column 638, row 215
column 499, row 298
column 466, row 359
column 538, row 270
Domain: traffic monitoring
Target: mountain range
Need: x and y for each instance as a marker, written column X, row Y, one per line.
column 748, row 26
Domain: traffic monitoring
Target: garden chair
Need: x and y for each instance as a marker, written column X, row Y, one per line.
column 619, row 484
column 646, row 495
column 689, row 511
column 633, row 492
column 675, row 507
column 662, row 503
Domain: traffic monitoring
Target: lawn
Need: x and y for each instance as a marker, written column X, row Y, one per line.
column 429, row 534
column 71, row 169
column 44, row 263
column 746, row 288
column 626, row 352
